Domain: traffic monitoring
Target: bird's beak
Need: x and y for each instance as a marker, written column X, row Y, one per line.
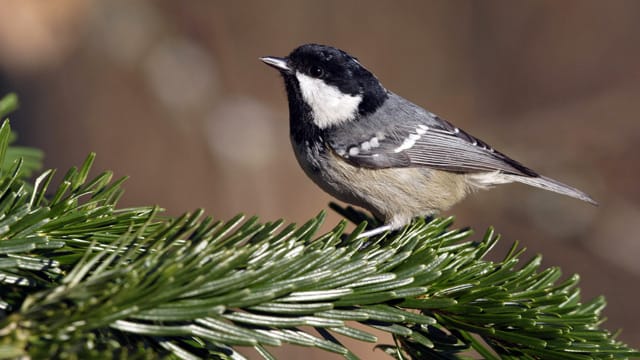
column 280, row 64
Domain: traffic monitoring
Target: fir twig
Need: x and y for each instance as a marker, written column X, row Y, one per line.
column 82, row 278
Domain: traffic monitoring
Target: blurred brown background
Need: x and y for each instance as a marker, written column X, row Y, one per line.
column 172, row 94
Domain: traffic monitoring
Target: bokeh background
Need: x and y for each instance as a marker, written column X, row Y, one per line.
column 172, row 94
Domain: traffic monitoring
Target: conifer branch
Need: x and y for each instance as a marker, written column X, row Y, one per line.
column 82, row 278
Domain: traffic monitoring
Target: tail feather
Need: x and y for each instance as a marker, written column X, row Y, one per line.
column 546, row 183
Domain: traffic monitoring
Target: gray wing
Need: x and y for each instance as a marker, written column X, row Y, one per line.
column 401, row 134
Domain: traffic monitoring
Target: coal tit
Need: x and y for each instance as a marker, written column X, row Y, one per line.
column 367, row 146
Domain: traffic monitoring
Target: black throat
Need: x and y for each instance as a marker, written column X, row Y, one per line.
column 301, row 125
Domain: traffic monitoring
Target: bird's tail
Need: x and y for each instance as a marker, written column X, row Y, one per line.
column 546, row 183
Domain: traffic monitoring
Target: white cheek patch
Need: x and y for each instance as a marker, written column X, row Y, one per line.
column 330, row 106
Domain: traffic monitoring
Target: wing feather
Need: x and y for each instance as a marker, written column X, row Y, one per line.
column 408, row 136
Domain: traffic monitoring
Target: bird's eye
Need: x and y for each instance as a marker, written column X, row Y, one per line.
column 316, row 71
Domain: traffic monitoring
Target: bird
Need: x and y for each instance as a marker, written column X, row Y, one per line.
column 368, row 146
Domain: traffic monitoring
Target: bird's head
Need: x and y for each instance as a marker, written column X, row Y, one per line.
column 329, row 83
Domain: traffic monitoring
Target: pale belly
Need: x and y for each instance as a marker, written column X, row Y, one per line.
column 394, row 195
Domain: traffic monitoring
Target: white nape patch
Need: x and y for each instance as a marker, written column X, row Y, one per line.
column 330, row 106
column 489, row 179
